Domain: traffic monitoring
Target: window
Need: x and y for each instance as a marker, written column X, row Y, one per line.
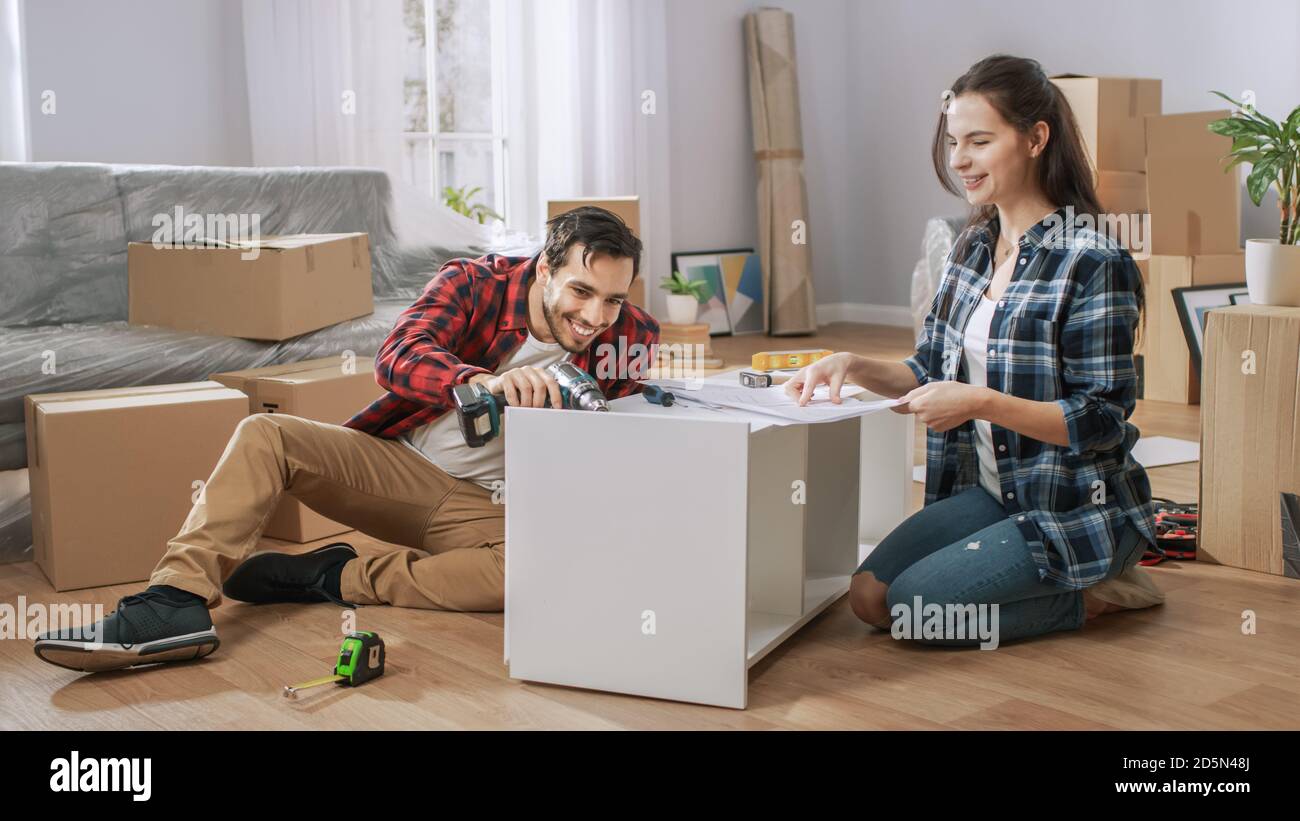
column 454, row 102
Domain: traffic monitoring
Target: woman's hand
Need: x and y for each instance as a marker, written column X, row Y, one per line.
column 944, row 405
column 833, row 371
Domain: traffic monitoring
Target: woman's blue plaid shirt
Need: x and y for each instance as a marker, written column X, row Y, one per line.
column 1062, row 332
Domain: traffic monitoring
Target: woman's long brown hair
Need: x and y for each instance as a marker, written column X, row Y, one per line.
column 1018, row 89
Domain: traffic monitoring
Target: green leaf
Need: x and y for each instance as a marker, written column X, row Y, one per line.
column 1252, row 114
column 1291, row 127
column 1240, row 157
column 1276, row 129
column 677, row 284
column 1240, row 127
column 1236, row 103
column 1261, row 177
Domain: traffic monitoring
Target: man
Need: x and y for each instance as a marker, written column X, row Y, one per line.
column 400, row 469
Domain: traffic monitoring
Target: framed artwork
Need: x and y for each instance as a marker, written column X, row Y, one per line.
column 1240, row 298
column 1194, row 303
column 735, row 278
column 742, row 275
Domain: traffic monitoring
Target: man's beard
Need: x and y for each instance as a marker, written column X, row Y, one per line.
column 555, row 323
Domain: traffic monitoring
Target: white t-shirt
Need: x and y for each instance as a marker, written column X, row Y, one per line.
column 976, row 347
column 442, row 443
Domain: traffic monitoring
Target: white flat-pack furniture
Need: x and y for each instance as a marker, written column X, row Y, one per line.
column 663, row 551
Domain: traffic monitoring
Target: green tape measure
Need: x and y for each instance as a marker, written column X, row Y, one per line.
column 361, row 658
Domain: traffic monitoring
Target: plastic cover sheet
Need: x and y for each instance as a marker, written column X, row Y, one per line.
column 65, row 227
column 13, row 446
column 62, row 246
column 80, row 357
column 15, row 517
column 936, row 244
column 411, row 235
column 275, row 200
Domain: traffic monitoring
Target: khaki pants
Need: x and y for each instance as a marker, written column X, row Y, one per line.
column 381, row 487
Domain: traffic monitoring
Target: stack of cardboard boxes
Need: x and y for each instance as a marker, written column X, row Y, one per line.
column 115, row 472
column 324, row 390
column 1168, row 167
column 1195, row 239
column 685, row 350
column 1111, row 112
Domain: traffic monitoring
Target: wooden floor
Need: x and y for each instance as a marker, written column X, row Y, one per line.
column 1185, row 664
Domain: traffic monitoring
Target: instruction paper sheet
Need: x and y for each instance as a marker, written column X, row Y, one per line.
column 775, row 402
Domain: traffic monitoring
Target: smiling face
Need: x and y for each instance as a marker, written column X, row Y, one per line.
column 579, row 301
column 996, row 163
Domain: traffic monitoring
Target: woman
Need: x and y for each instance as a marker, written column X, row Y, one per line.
column 1024, row 376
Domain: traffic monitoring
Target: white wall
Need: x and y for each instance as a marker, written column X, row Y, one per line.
column 871, row 72
column 713, row 177
column 148, row 81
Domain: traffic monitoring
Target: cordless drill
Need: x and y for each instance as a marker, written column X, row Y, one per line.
column 480, row 412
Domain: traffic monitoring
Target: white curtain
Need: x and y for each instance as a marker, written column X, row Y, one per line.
column 325, row 82
column 577, row 73
column 13, row 113
column 586, row 88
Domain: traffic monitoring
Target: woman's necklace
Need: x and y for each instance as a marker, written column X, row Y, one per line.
column 1002, row 254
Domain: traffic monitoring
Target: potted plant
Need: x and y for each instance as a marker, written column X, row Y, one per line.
column 684, row 298
column 1273, row 150
column 461, row 201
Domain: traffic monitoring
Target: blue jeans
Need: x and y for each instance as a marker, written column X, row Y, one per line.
column 933, row 555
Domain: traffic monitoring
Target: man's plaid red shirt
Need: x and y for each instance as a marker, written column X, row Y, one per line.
column 472, row 315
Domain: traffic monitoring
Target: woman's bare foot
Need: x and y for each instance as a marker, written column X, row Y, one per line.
column 1094, row 607
column 1132, row 589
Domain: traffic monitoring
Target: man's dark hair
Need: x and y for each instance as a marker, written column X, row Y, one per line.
column 598, row 230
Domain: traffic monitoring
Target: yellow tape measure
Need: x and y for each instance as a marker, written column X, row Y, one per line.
column 782, row 360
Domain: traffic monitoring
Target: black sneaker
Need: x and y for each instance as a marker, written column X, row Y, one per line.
column 146, row 628
column 270, row 577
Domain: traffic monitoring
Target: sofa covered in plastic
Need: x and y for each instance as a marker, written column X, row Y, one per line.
column 64, row 229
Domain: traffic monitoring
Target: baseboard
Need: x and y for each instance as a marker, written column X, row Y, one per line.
column 896, row 315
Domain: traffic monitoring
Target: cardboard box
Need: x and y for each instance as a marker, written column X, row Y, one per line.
column 1144, row 326
column 114, row 474
column 626, row 208
column 1250, row 436
column 1195, row 206
column 1122, row 192
column 1110, row 112
column 317, row 389
column 1169, row 374
column 295, row 284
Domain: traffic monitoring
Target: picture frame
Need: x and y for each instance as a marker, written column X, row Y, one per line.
column 1194, row 302
column 737, row 305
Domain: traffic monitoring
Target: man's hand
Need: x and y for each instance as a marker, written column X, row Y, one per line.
column 526, row 387
column 944, row 405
